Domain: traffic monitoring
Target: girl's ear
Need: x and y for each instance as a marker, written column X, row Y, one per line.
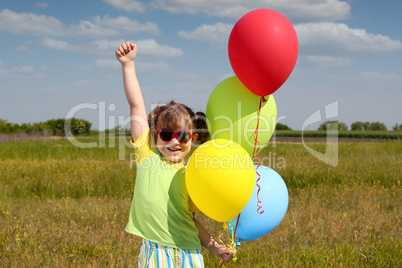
column 194, row 138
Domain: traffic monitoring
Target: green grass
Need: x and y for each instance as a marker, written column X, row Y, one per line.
column 62, row 206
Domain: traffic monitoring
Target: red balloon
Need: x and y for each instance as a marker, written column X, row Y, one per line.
column 263, row 50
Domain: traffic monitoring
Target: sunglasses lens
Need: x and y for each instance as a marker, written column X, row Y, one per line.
column 166, row 135
column 184, row 136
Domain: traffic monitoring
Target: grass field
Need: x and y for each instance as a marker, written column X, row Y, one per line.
column 62, row 206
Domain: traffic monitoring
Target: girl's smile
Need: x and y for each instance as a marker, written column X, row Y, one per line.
column 174, row 149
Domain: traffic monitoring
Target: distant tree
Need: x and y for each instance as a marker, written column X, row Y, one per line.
column 397, row 127
column 330, row 125
column 76, row 126
column 122, row 130
column 40, row 127
column 87, row 127
column 360, row 126
column 377, row 126
column 26, row 127
column 56, row 126
column 280, row 126
column 53, row 126
column 4, row 126
column 8, row 128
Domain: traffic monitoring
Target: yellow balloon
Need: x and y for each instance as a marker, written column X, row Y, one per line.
column 220, row 179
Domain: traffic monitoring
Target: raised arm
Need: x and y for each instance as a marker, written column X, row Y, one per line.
column 125, row 54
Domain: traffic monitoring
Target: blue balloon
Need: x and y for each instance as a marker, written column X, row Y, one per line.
column 274, row 199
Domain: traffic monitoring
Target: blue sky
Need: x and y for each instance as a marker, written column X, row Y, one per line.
column 57, row 55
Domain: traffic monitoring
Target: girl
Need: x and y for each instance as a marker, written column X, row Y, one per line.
column 162, row 212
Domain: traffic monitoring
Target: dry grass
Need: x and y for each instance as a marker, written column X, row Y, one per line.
column 23, row 137
column 324, row 227
column 330, row 227
column 61, row 206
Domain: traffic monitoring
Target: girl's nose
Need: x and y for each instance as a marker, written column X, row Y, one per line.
column 175, row 141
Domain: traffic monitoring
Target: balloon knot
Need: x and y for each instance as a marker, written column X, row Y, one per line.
column 263, row 99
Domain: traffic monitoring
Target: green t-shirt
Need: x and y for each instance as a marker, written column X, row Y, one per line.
column 161, row 210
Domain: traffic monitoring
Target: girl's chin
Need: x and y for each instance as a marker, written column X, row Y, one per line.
column 176, row 160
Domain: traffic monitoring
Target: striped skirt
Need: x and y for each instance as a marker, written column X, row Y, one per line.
column 153, row 255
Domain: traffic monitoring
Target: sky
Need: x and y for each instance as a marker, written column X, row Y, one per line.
column 57, row 58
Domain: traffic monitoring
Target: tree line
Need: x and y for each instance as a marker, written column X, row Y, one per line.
column 55, row 127
column 358, row 125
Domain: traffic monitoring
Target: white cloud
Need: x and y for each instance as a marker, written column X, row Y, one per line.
column 125, row 24
column 147, row 48
column 23, row 69
column 84, row 84
column 153, row 66
column 26, row 72
column 333, row 38
column 216, row 35
column 326, row 38
column 329, row 61
column 41, row 5
column 370, row 82
column 192, row 87
column 58, row 45
column 107, row 63
column 88, row 29
column 127, row 5
column 141, row 65
column 295, row 10
column 52, row 90
column 30, row 24
column 105, row 46
column 150, row 47
column 41, row 25
column 379, row 77
column 22, row 48
column 3, row 72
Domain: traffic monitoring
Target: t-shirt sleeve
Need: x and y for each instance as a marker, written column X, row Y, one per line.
column 142, row 147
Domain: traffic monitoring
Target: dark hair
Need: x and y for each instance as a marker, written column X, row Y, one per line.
column 178, row 116
column 201, row 127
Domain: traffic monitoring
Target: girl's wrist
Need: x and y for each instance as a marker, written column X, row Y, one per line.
column 213, row 245
column 127, row 64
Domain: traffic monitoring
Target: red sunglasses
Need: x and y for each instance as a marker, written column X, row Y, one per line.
column 183, row 136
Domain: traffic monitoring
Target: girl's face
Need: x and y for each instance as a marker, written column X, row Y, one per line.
column 174, row 150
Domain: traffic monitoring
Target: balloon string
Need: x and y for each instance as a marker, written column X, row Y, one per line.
column 259, row 189
column 237, row 223
column 233, row 238
column 255, row 151
column 232, row 245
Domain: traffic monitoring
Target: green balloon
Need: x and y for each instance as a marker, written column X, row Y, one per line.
column 232, row 113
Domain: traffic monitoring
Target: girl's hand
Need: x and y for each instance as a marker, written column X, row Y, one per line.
column 223, row 252
column 126, row 52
